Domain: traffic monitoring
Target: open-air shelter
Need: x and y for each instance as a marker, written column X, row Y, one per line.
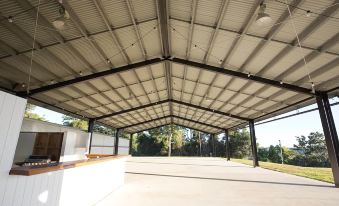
column 206, row 65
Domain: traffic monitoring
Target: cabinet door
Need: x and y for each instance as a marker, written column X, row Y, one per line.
column 54, row 145
column 41, row 144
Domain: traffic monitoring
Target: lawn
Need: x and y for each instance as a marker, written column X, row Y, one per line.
column 317, row 173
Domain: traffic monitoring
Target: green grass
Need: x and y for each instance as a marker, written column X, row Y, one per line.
column 317, row 173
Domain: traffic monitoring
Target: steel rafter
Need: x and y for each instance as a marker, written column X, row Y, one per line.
column 252, row 35
column 228, row 72
column 42, row 20
column 245, row 76
column 90, row 77
column 189, row 40
column 274, row 30
column 162, row 12
column 80, row 26
column 172, row 101
column 174, row 116
column 327, row 67
column 141, row 46
column 170, row 124
column 132, row 109
column 302, row 36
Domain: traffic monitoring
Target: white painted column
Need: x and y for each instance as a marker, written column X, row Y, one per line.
column 12, row 110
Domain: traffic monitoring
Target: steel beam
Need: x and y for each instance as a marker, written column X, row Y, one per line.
column 245, row 76
column 90, row 77
column 174, row 116
column 162, row 10
column 132, row 109
column 253, row 144
column 237, row 33
column 145, row 122
column 249, row 20
column 210, row 110
column 90, row 129
column 116, row 141
column 197, row 122
column 227, row 145
column 176, row 60
column 150, row 128
column 172, row 101
column 331, row 135
column 181, row 125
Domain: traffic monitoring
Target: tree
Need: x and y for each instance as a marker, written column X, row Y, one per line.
column 274, row 154
column 83, row 125
column 74, row 122
column 30, row 114
column 312, row 151
column 240, row 143
column 262, row 154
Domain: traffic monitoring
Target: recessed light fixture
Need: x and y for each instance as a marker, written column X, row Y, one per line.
column 10, row 19
column 60, row 23
column 263, row 19
column 308, row 13
column 313, row 87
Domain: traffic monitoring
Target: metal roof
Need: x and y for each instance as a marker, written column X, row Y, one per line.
column 202, row 64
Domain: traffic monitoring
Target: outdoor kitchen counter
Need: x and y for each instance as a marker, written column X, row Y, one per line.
column 34, row 170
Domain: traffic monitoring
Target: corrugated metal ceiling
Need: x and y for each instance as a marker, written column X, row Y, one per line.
column 131, row 34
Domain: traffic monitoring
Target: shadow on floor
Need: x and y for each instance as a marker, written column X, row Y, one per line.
column 232, row 180
column 208, row 165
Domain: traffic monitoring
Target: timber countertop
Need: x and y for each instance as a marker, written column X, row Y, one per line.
column 94, row 159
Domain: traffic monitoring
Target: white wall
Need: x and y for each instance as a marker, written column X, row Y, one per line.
column 11, row 114
column 102, row 144
column 83, row 185
column 75, row 142
column 123, row 146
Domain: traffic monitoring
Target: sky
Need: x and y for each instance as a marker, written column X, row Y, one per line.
column 267, row 134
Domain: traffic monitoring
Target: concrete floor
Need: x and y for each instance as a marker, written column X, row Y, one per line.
column 213, row 181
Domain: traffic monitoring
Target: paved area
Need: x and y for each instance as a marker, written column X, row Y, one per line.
column 213, row 181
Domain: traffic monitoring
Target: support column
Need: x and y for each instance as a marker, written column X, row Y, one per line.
column 210, row 145
column 90, row 129
column 170, row 142
column 199, row 144
column 253, row 144
column 227, row 144
column 331, row 135
column 214, row 145
column 130, row 143
column 116, row 142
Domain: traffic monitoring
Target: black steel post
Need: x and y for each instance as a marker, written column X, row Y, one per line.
column 253, row 144
column 331, row 135
column 91, row 123
column 227, row 144
column 211, row 145
column 116, row 142
column 130, row 143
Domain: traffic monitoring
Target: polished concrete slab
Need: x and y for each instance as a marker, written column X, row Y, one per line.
column 214, row 181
